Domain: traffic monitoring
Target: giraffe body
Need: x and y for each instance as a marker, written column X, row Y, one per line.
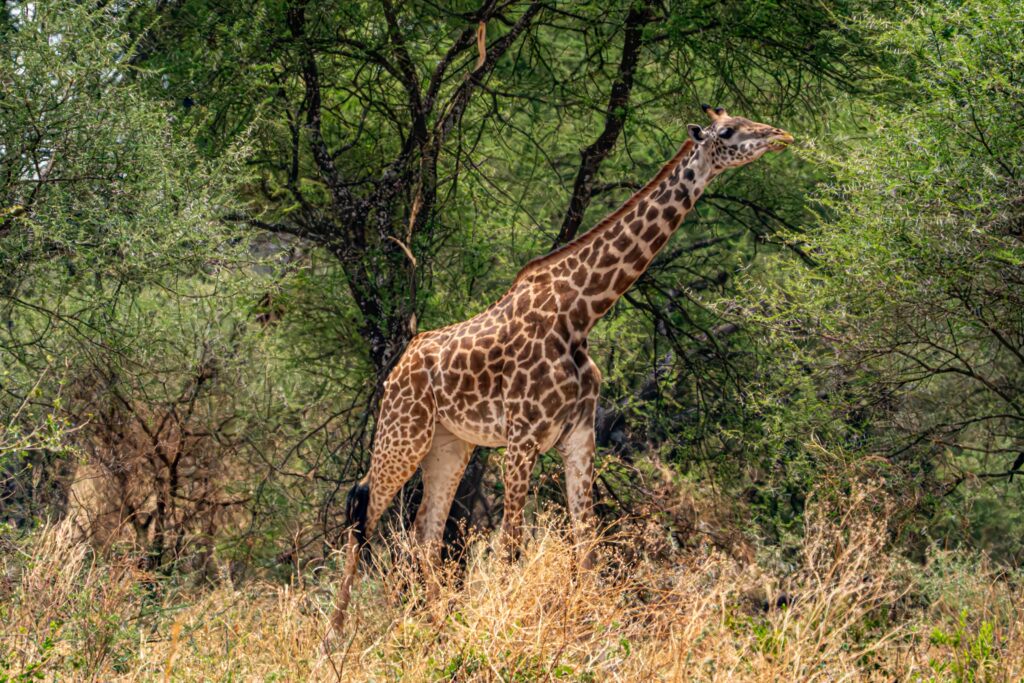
column 518, row 374
column 515, row 375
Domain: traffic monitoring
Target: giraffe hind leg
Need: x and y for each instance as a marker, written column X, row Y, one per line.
column 405, row 432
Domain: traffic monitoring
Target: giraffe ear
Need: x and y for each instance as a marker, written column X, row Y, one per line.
column 696, row 132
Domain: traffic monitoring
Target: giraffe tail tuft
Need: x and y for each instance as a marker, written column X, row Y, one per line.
column 356, row 505
column 355, row 509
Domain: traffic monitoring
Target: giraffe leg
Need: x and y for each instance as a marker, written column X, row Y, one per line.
column 577, row 451
column 519, row 460
column 405, row 431
column 382, row 484
column 442, row 471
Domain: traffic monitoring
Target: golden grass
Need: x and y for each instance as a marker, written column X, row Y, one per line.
column 858, row 614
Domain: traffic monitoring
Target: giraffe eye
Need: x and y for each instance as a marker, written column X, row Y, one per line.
column 726, row 133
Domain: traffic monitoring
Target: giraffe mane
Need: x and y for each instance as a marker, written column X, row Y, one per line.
column 591, row 235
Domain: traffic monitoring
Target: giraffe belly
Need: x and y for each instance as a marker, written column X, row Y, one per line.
column 540, row 410
column 493, row 434
column 468, row 425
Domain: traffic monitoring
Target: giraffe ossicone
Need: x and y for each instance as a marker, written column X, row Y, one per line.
column 518, row 374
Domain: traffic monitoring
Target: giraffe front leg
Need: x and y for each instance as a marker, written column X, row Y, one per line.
column 577, row 451
column 519, row 460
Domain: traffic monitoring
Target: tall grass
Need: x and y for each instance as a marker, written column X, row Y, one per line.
column 851, row 611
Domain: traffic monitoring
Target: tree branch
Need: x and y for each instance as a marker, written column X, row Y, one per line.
column 346, row 204
column 615, row 118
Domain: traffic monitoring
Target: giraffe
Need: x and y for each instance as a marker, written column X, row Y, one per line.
column 518, row 374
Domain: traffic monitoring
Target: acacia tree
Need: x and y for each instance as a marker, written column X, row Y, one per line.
column 375, row 116
column 423, row 153
column 356, row 171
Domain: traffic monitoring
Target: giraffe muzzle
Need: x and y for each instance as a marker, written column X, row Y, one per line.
column 780, row 141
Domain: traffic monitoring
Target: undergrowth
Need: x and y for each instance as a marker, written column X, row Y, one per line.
column 853, row 610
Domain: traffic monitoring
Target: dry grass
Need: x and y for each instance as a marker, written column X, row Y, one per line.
column 858, row 614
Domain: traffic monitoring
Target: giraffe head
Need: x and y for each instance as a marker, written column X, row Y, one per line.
column 733, row 141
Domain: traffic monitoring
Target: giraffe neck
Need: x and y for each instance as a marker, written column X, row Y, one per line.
column 597, row 268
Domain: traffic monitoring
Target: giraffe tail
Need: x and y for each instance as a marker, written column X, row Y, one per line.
column 356, row 505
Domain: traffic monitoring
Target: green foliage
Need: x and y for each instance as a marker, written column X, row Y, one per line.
column 95, row 181
column 975, row 653
column 906, row 340
column 105, row 211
